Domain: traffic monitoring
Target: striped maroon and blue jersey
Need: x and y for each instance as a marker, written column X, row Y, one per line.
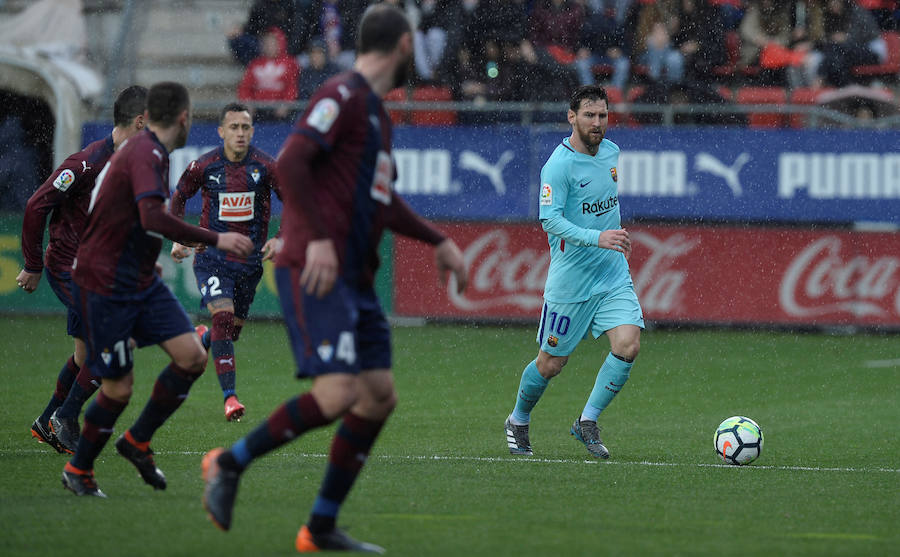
column 237, row 197
column 65, row 196
column 117, row 256
column 336, row 174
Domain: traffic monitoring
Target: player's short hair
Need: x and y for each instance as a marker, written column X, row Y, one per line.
column 591, row 92
column 165, row 101
column 232, row 107
column 131, row 103
column 380, row 29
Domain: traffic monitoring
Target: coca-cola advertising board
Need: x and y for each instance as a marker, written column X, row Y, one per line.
column 727, row 275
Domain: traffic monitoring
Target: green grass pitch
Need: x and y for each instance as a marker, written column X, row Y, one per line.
column 441, row 481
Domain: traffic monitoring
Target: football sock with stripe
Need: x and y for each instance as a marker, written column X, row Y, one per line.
column 222, row 349
column 610, row 379
column 289, row 421
column 86, row 384
column 349, row 451
column 99, row 419
column 169, row 391
column 531, row 387
column 63, row 384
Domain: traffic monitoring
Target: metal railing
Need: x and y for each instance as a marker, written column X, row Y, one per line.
column 528, row 113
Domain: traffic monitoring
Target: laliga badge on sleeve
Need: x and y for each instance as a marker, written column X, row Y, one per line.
column 65, row 179
column 323, row 115
column 546, row 195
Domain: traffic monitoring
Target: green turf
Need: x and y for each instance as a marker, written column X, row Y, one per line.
column 441, row 481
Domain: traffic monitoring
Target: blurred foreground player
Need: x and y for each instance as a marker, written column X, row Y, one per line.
column 121, row 297
column 236, row 181
column 335, row 173
column 65, row 197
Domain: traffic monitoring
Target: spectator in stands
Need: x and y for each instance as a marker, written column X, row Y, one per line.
column 554, row 29
column 765, row 22
column 852, row 38
column 732, row 12
column 287, row 15
column 318, row 69
column 700, row 38
column 464, row 56
column 603, row 42
column 651, row 24
column 885, row 12
column 430, row 38
column 271, row 77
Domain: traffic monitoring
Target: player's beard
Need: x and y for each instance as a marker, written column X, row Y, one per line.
column 590, row 140
column 181, row 139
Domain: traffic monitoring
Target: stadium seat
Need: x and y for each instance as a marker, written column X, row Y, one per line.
column 614, row 94
column 804, row 96
column 398, row 117
column 433, row 117
column 891, row 66
column 633, row 94
column 733, row 50
column 763, row 95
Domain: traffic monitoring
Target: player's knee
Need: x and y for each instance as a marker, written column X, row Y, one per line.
column 628, row 351
column 193, row 363
column 550, row 366
column 119, row 391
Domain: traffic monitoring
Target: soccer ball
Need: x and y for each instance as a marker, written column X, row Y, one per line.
column 738, row 440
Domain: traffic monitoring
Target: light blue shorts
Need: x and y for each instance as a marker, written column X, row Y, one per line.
column 564, row 325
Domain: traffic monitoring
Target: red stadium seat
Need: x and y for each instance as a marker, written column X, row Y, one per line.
column 433, row 117
column 733, row 50
column 804, row 96
column 891, row 66
column 398, row 95
column 614, row 94
column 763, row 95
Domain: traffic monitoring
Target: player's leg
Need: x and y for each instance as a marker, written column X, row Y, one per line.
column 359, row 428
column 107, row 328
column 325, row 352
column 41, row 429
column 162, row 321
column 244, row 289
column 350, row 448
column 64, row 420
column 619, row 315
column 561, row 328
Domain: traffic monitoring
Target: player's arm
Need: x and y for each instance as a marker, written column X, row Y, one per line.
column 154, row 218
column 188, row 185
column 554, row 193
column 42, row 202
column 274, row 244
column 403, row 220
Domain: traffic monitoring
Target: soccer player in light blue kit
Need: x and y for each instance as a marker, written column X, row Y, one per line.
column 589, row 288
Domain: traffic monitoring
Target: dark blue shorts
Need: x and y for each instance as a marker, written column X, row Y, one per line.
column 344, row 332
column 61, row 284
column 226, row 279
column 149, row 317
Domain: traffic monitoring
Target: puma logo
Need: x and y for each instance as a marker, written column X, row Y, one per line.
column 704, row 162
column 85, row 167
column 215, row 178
column 470, row 160
column 229, row 361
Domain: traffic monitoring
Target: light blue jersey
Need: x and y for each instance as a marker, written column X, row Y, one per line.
column 578, row 200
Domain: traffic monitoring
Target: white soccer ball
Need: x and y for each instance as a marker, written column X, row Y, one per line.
column 739, row 440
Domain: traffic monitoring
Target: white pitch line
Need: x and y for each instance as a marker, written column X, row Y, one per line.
column 517, row 460
column 883, row 363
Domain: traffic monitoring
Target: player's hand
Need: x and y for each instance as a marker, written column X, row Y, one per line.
column 236, row 243
column 447, row 257
column 179, row 252
column 320, row 271
column 271, row 248
column 28, row 281
column 616, row 240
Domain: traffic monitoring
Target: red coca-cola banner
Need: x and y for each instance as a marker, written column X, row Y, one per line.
column 681, row 273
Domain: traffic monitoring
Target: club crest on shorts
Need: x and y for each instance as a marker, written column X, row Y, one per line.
column 106, row 356
column 615, row 175
column 326, row 351
column 552, row 341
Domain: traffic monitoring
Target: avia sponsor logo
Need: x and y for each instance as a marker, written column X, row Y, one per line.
column 236, row 206
column 823, row 280
column 600, row 207
column 839, row 175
